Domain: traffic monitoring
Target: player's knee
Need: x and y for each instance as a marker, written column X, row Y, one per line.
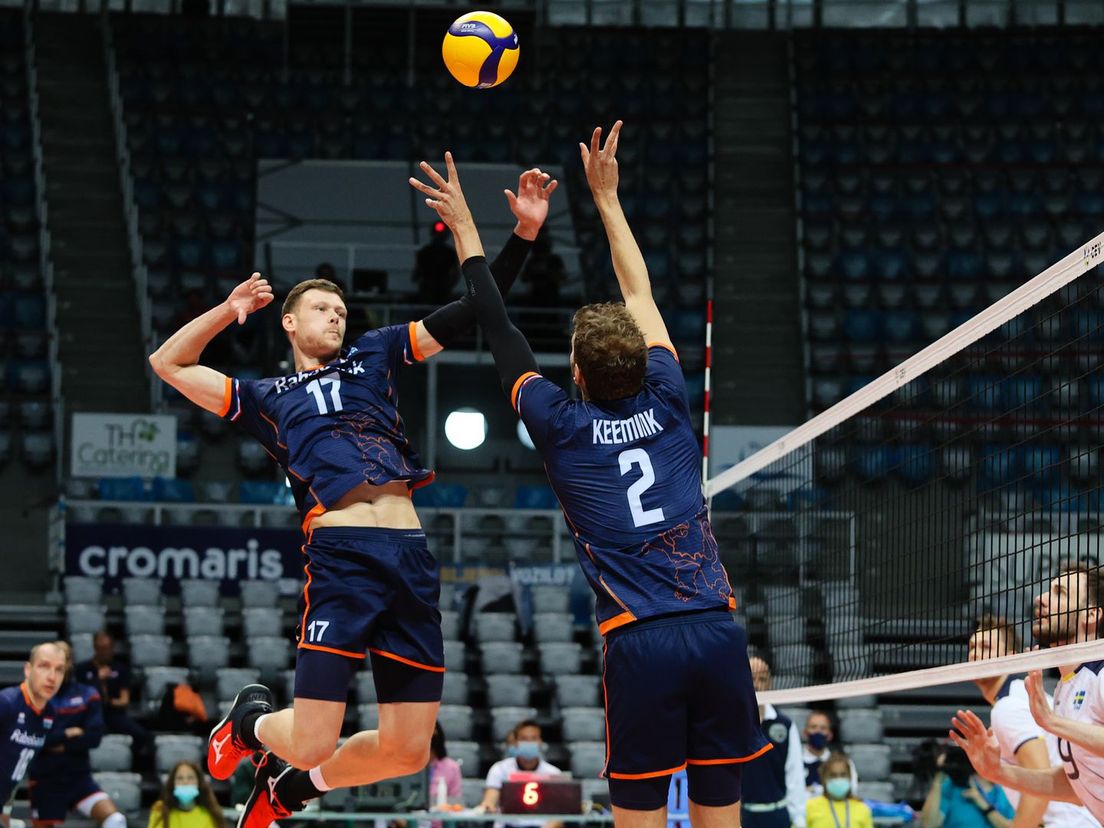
column 411, row 757
column 115, row 820
column 311, row 756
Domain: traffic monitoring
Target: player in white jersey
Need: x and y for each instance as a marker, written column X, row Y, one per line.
column 1022, row 742
column 1071, row 612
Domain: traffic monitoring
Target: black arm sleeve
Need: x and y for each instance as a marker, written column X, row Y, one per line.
column 512, row 355
column 447, row 324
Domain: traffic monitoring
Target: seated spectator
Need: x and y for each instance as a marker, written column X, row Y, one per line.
column 838, row 805
column 187, row 801
column 443, row 769
column 528, row 759
column 959, row 798
column 819, row 737
column 112, row 678
column 183, row 710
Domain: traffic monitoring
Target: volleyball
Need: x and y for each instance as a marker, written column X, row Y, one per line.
column 480, row 49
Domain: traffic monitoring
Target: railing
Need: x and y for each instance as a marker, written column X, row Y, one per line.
column 45, row 265
column 130, row 210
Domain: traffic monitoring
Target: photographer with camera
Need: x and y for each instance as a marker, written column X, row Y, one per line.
column 959, row 798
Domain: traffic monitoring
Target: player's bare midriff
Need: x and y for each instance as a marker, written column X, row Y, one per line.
column 387, row 507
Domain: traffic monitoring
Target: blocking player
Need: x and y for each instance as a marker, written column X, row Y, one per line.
column 1071, row 611
column 371, row 584
column 27, row 717
column 61, row 774
column 1022, row 742
column 626, row 468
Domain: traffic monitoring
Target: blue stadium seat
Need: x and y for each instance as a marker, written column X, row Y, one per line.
column 173, row 490
column 1000, row 464
column 441, row 495
column 124, row 488
column 535, row 497
column 263, row 492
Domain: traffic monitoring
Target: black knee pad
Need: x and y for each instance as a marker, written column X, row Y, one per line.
column 640, row 794
column 715, row 786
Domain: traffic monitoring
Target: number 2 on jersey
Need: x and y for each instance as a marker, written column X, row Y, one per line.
column 640, row 515
column 315, row 389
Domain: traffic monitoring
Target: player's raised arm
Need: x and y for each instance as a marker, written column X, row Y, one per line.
column 529, row 206
column 512, row 355
column 600, row 163
column 177, row 360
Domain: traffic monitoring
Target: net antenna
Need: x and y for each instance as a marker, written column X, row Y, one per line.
column 871, row 538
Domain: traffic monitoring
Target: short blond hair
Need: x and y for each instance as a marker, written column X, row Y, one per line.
column 296, row 293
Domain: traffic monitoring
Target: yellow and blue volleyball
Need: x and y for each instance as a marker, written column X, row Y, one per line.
column 480, row 49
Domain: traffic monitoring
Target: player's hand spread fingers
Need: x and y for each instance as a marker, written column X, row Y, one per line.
column 433, row 174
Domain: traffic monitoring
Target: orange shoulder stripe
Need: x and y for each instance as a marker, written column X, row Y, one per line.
column 520, row 381
column 412, row 329
column 227, row 393
column 666, row 345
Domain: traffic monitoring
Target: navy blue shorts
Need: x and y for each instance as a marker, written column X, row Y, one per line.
column 678, row 693
column 369, row 591
column 53, row 797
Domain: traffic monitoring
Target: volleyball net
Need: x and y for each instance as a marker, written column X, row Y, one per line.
column 865, row 545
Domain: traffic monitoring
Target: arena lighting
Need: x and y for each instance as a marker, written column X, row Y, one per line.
column 466, row 428
column 523, row 435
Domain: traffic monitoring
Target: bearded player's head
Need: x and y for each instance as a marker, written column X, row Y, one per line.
column 1072, row 610
column 608, row 354
column 314, row 319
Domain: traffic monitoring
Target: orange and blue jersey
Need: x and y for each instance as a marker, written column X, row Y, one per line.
column 627, row 474
column 24, row 729
column 75, row 705
column 337, row 426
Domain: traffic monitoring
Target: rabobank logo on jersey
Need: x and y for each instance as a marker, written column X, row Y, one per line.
column 21, row 737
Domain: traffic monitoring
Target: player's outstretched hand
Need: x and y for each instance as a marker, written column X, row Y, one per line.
column 971, row 734
column 447, row 199
column 530, row 204
column 600, row 162
column 1041, row 710
column 251, row 295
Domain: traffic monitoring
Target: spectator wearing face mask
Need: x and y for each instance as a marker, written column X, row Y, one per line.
column 187, row 801
column 527, row 759
column 818, row 737
column 837, row 807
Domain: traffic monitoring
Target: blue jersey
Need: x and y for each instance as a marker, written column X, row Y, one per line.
column 337, row 426
column 75, row 705
column 628, row 477
column 24, row 729
column 764, row 779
